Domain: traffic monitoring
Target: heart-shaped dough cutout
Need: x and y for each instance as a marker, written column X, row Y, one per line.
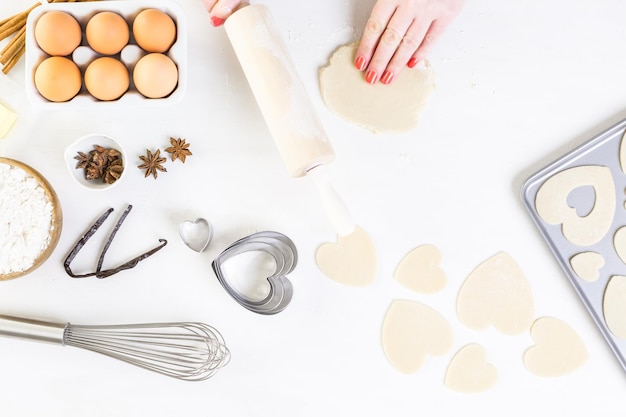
column 496, row 293
column 558, row 349
column 351, row 260
column 197, row 234
column 469, row 370
column 614, row 305
column 587, row 265
column 411, row 331
column 552, row 206
column 419, row 270
column 619, row 242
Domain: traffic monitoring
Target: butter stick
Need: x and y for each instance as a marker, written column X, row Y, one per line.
column 7, row 119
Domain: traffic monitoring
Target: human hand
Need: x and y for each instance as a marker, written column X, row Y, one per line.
column 399, row 33
column 219, row 10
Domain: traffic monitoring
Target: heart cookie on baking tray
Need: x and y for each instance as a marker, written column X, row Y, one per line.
column 577, row 203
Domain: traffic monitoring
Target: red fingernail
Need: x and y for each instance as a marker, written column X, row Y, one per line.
column 360, row 63
column 217, row 21
column 387, row 77
column 412, row 62
column 371, row 77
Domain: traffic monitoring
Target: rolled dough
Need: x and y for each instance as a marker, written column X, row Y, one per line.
column 351, row 260
column 469, row 370
column 412, row 330
column 552, row 206
column 619, row 242
column 558, row 349
column 614, row 305
column 419, row 270
column 496, row 293
column 587, row 265
column 395, row 107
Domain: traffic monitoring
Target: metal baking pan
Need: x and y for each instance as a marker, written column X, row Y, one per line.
column 602, row 150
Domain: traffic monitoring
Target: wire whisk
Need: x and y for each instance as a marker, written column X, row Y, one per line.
column 190, row 351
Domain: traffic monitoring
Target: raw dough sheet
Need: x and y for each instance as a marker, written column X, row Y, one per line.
column 395, row 107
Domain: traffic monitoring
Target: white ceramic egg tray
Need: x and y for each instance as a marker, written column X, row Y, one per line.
column 83, row 55
column 578, row 205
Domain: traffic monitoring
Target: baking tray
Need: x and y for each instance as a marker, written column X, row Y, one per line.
column 602, row 150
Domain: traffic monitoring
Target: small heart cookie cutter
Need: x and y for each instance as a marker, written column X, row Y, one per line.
column 279, row 247
column 197, row 234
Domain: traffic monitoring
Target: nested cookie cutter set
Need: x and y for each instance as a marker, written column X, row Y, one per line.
column 586, row 201
column 198, row 234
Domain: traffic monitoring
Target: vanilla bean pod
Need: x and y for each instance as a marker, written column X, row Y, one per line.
column 99, row 273
column 111, row 237
column 132, row 263
column 81, row 242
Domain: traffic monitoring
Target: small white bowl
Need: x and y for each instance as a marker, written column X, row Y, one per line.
column 86, row 145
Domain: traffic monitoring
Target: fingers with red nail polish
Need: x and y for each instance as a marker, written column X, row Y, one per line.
column 359, row 63
column 217, row 21
column 220, row 10
column 371, row 77
column 401, row 33
column 387, row 77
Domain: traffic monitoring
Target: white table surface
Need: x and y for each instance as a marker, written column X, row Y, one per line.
column 517, row 86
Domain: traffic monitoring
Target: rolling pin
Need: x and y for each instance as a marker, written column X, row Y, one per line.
column 285, row 105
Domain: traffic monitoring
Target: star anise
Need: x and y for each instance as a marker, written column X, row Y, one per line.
column 83, row 160
column 101, row 163
column 179, row 149
column 113, row 171
column 152, row 163
column 93, row 171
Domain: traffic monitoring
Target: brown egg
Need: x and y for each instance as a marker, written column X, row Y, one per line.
column 107, row 33
column 154, row 30
column 57, row 33
column 57, row 79
column 155, row 75
column 106, row 78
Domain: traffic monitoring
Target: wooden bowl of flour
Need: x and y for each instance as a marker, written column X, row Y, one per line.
column 31, row 219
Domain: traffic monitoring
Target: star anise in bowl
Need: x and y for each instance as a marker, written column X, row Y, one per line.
column 96, row 161
column 102, row 163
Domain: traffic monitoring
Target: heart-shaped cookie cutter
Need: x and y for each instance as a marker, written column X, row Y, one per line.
column 279, row 247
column 196, row 234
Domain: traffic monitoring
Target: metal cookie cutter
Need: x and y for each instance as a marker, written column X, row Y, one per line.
column 279, row 247
column 197, row 234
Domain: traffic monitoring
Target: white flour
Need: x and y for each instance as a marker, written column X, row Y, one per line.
column 25, row 219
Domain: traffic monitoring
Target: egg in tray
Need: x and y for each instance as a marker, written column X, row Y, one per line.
column 126, row 53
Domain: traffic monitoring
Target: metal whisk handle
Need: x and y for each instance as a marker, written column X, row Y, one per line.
column 32, row 329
